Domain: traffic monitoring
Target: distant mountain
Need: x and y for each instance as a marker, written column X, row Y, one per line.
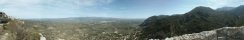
column 83, row 19
column 239, row 12
column 198, row 19
column 225, row 9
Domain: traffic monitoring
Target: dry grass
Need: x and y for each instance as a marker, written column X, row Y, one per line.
column 17, row 32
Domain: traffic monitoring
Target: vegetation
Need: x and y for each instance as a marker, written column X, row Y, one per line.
column 12, row 29
column 86, row 28
column 197, row 20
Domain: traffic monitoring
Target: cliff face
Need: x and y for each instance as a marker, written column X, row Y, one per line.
column 225, row 33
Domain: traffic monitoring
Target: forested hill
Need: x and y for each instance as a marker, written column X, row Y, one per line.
column 198, row 19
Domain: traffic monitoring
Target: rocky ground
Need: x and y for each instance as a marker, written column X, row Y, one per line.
column 226, row 33
column 12, row 29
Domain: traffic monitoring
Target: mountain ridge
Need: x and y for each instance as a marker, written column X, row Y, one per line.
column 198, row 19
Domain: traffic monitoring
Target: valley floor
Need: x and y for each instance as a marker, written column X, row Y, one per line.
column 85, row 30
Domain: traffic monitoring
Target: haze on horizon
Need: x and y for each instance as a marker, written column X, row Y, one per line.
column 106, row 8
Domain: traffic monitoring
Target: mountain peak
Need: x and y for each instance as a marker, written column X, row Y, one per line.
column 202, row 8
column 225, row 8
column 240, row 7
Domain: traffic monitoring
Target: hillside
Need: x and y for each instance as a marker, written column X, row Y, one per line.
column 77, row 28
column 198, row 19
column 86, row 28
column 12, row 29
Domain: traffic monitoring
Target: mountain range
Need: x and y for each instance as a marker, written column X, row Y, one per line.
column 198, row 19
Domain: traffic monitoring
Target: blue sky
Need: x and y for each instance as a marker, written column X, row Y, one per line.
column 106, row 8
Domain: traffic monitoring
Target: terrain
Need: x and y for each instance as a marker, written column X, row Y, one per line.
column 168, row 27
column 85, row 28
column 12, row 29
column 225, row 33
column 197, row 20
column 75, row 28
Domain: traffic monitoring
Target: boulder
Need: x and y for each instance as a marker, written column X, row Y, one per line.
column 226, row 33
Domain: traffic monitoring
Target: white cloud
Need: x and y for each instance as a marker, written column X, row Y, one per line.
column 54, row 2
column 93, row 2
column 222, row 3
column 19, row 3
column 41, row 8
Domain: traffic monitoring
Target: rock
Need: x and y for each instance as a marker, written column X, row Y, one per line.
column 4, row 37
column 60, row 39
column 3, row 21
column 226, row 33
column 1, row 29
column 231, row 33
column 42, row 37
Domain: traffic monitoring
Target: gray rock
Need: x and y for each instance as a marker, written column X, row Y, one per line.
column 226, row 33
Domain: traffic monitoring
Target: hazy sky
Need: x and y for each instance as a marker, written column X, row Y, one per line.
column 105, row 8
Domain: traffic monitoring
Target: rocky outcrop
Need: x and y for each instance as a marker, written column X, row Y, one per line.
column 42, row 37
column 4, row 19
column 12, row 29
column 226, row 33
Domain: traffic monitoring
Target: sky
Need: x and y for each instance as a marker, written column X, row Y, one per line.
column 106, row 8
